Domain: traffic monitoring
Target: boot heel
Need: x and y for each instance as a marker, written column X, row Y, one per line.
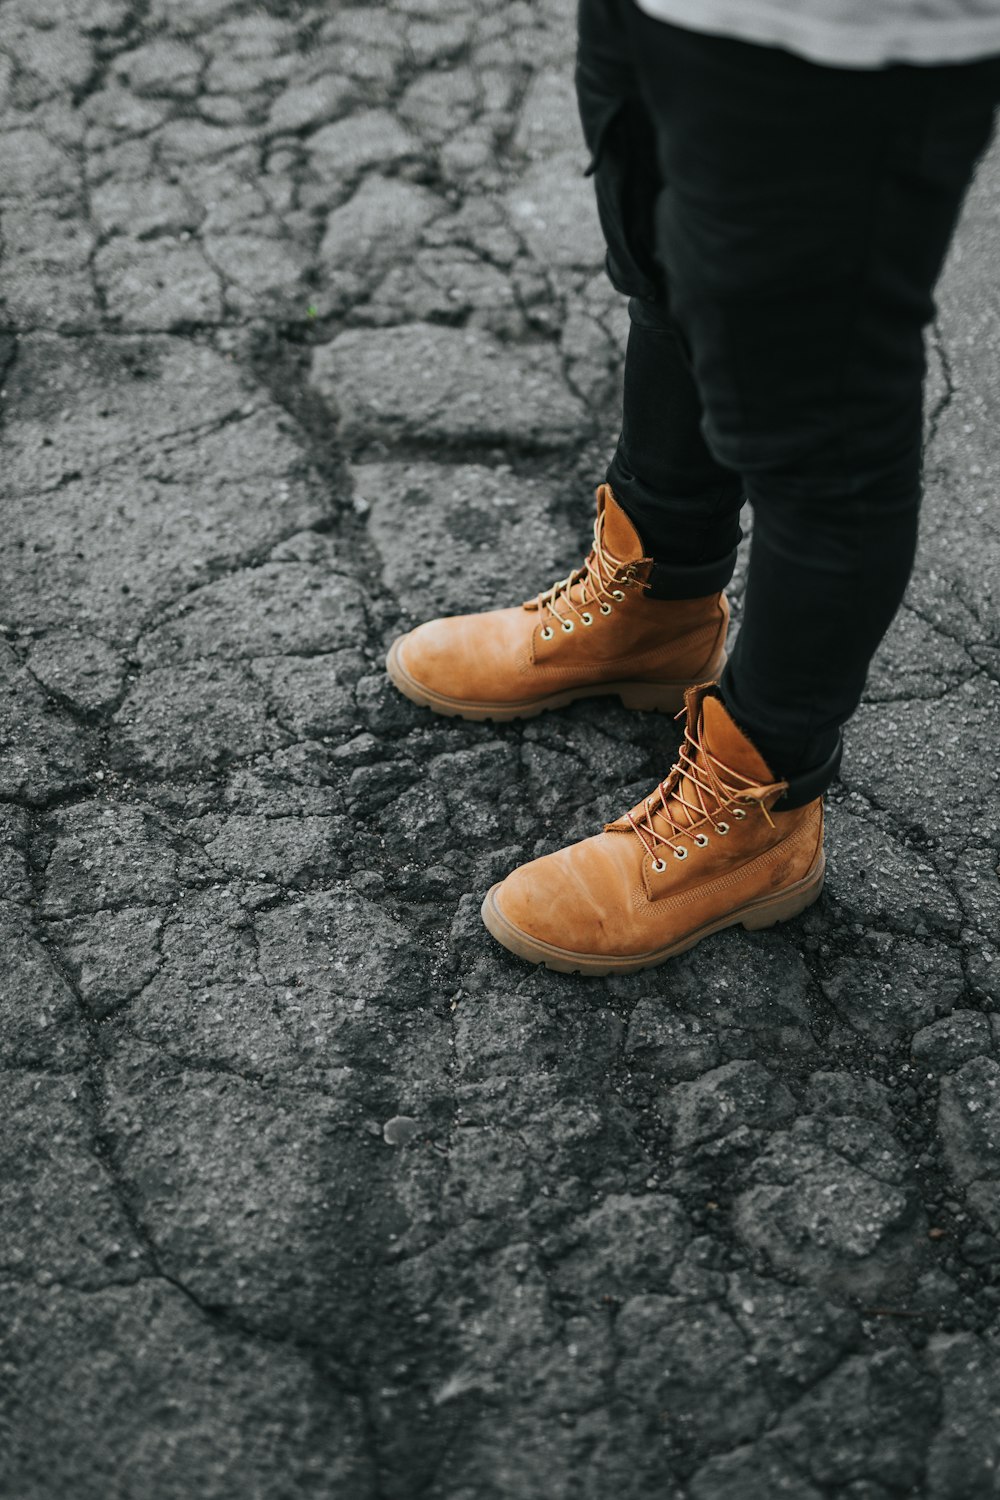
column 653, row 697
column 782, row 908
column 665, row 697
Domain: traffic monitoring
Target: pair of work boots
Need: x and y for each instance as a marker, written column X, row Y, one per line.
column 706, row 849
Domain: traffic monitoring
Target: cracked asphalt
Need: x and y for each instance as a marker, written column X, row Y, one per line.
column 307, row 1188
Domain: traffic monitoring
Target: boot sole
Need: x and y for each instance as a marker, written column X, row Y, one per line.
column 654, row 697
column 754, row 916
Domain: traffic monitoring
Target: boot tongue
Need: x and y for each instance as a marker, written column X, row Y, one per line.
column 620, row 536
column 718, row 734
column 729, row 744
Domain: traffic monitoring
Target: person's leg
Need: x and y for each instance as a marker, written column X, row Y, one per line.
column 802, row 221
column 645, row 616
column 683, row 503
column 802, row 224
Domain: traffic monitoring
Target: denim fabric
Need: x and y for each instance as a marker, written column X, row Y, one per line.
column 661, row 452
column 781, row 226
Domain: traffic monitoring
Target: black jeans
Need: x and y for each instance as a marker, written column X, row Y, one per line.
column 779, row 227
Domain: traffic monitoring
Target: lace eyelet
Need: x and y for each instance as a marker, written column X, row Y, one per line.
column 680, row 853
column 739, row 813
column 659, row 865
column 701, row 839
column 605, row 609
column 587, row 617
column 617, row 594
column 722, row 828
column 567, row 626
column 547, row 632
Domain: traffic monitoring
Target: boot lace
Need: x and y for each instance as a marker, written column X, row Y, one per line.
column 708, row 791
column 600, row 583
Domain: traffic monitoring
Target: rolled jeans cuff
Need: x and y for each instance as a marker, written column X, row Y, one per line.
column 806, row 785
column 690, row 580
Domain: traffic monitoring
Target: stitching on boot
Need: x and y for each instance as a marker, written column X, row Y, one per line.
column 732, row 877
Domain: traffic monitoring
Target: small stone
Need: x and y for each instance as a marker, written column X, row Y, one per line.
column 400, row 1130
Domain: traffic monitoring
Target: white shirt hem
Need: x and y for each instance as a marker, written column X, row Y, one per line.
column 836, row 44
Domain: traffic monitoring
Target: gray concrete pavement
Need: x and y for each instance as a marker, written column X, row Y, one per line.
column 306, row 1188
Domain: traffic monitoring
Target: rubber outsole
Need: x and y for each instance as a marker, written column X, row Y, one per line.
column 754, row 916
column 653, row 697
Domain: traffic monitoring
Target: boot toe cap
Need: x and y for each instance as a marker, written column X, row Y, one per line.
column 475, row 660
column 574, row 901
column 427, row 655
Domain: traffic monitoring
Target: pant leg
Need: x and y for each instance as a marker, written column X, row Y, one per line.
column 804, row 216
column 684, row 504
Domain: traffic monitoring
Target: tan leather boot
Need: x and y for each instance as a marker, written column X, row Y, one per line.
column 595, row 632
column 701, row 852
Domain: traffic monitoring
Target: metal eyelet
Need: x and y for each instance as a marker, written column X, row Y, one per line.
column 587, row 618
column 605, row 609
column 739, row 813
column 547, row 632
column 567, row 626
column 680, row 853
column 722, row 828
column 659, row 865
column 701, row 839
column 617, row 594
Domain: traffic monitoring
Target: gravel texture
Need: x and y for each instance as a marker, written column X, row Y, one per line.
column 307, row 1188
